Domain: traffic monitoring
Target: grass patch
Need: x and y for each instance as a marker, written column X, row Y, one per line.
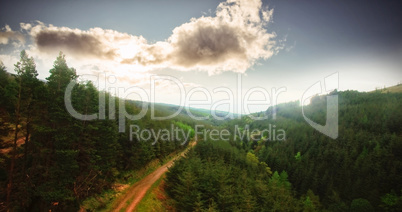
column 155, row 199
column 391, row 89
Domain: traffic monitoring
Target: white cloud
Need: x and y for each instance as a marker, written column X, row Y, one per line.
column 25, row 26
column 8, row 62
column 230, row 41
column 7, row 34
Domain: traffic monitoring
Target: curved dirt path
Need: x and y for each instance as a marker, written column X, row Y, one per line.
column 139, row 189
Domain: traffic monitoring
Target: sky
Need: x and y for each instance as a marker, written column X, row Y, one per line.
column 217, row 52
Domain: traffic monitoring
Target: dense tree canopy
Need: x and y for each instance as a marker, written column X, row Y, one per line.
column 63, row 160
column 364, row 162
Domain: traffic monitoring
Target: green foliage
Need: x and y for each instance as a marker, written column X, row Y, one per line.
column 4, row 82
column 65, row 160
column 298, row 156
column 361, row 205
column 62, row 160
column 311, row 202
column 216, row 176
column 363, row 162
column 251, row 159
column 391, row 202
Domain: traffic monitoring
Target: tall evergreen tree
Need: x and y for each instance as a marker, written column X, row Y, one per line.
column 26, row 76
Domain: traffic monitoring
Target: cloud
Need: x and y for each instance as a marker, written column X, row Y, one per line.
column 7, row 34
column 82, row 44
column 95, row 43
column 8, row 61
column 231, row 40
column 26, row 26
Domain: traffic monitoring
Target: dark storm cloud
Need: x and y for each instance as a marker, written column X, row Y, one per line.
column 203, row 45
column 83, row 44
column 208, row 45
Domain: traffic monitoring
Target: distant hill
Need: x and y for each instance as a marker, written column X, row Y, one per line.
column 392, row 89
column 187, row 113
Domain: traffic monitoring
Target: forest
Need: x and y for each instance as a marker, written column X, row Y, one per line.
column 359, row 171
column 362, row 168
column 53, row 161
column 50, row 160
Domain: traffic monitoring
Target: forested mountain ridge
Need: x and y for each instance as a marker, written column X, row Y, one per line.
column 361, row 170
column 363, row 164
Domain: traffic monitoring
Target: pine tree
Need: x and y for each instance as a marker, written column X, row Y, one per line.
column 27, row 82
column 58, row 136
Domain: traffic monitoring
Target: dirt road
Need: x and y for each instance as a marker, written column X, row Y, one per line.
column 138, row 190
